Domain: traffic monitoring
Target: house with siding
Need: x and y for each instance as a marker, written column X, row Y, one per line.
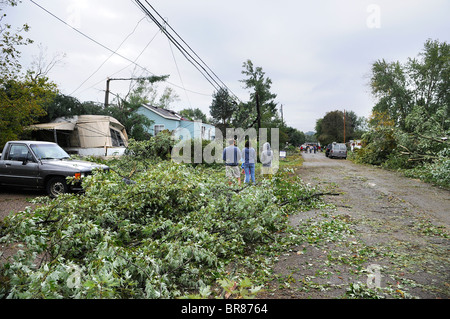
column 180, row 127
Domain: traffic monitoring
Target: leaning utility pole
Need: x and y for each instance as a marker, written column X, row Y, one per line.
column 121, row 79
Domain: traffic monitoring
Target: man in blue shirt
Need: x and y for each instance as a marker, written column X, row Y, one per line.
column 231, row 155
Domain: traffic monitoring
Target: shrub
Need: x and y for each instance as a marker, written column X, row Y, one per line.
column 156, row 148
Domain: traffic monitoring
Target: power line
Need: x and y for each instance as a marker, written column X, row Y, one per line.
column 106, row 48
column 212, row 78
column 179, row 74
column 84, row 35
column 179, row 47
column 188, row 46
column 115, row 52
column 139, row 55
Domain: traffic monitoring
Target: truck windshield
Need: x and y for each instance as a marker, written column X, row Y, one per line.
column 49, row 151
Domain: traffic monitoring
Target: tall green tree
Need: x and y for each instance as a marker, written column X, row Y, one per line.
column 429, row 78
column 389, row 86
column 222, row 109
column 259, row 87
column 11, row 39
column 331, row 128
column 23, row 95
column 296, row 137
column 21, row 104
column 194, row 114
column 416, row 97
column 417, row 92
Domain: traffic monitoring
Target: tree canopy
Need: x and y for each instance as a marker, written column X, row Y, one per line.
column 330, row 128
column 410, row 121
column 23, row 96
column 259, row 88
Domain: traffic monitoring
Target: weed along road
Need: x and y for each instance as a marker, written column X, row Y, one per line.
column 385, row 236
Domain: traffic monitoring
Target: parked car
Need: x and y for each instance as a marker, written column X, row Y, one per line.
column 338, row 150
column 42, row 165
column 327, row 150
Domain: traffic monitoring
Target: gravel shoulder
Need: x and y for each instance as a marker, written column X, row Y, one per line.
column 386, row 236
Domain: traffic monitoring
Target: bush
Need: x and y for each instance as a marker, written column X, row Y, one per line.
column 156, row 148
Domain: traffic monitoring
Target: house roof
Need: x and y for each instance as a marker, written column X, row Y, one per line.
column 168, row 114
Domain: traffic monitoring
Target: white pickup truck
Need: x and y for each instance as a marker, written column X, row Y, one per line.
column 42, row 165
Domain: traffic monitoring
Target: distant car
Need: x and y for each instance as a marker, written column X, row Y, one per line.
column 327, row 150
column 338, row 150
column 42, row 165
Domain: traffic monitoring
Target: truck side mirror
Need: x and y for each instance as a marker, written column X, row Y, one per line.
column 25, row 159
column 22, row 159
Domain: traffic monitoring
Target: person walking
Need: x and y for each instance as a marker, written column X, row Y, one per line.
column 249, row 157
column 266, row 159
column 231, row 155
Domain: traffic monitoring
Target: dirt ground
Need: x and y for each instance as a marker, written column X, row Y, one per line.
column 395, row 244
column 14, row 200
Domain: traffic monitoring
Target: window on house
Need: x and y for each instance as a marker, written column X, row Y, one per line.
column 158, row 128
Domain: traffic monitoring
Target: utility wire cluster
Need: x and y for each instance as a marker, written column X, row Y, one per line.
column 183, row 47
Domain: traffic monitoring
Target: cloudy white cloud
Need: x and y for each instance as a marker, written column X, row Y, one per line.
column 317, row 53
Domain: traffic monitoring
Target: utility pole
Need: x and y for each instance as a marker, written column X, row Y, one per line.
column 344, row 126
column 258, row 112
column 282, row 120
column 107, row 86
column 107, row 92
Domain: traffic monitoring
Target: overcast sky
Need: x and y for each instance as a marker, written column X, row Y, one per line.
column 318, row 54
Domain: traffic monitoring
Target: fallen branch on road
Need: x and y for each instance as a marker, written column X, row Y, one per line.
column 310, row 197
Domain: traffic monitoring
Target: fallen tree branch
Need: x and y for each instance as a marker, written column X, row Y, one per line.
column 310, row 197
column 432, row 138
column 416, row 156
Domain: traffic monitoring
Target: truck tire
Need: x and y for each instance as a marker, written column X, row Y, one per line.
column 56, row 186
